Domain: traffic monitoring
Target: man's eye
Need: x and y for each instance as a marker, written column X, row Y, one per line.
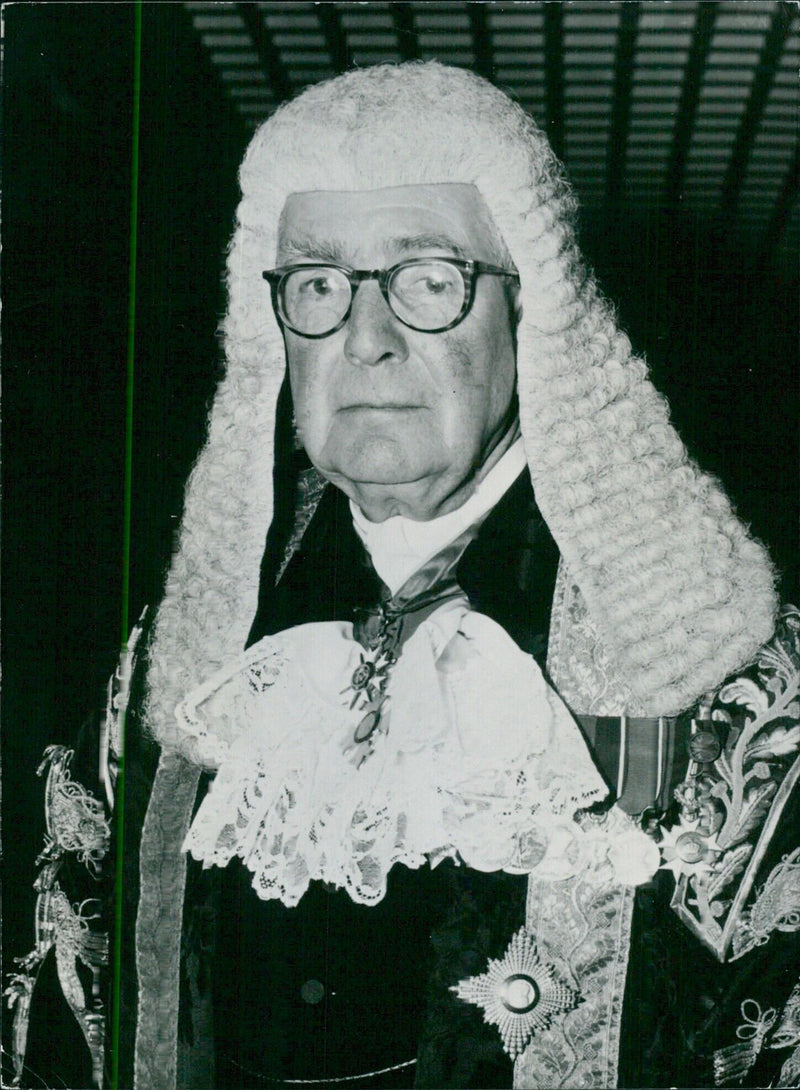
column 428, row 284
column 319, row 286
column 435, row 285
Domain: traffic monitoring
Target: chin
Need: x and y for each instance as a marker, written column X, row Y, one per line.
column 381, row 463
column 381, row 471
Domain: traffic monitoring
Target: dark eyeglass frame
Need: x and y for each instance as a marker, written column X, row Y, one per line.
column 469, row 270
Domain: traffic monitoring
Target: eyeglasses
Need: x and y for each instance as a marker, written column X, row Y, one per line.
column 427, row 294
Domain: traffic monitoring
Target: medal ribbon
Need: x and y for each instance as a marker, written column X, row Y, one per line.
column 383, row 629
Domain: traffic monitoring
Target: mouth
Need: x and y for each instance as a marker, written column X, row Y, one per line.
column 390, row 406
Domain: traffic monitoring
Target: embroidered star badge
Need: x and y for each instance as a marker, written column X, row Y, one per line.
column 686, row 851
column 519, row 993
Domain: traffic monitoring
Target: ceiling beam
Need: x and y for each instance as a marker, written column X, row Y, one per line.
column 268, row 53
column 687, row 107
column 335, row 38
column 751, row 118
column 783, row 209
column 554, row 75
column 621, row 108
column 481, row 40
column 407, row 39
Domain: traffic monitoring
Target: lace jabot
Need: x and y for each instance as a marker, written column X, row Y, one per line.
column 480, row 761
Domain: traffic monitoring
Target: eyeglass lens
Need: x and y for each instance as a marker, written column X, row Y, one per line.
column 426, row 295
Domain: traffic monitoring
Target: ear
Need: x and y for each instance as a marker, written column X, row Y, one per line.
column 513, row 296
column 516, row 302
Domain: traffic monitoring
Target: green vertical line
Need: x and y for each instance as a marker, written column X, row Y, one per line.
column 119, row 805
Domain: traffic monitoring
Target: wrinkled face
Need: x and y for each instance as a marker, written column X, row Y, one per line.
column 400, row 419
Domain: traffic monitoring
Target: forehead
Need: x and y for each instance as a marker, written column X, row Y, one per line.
column 379, row 223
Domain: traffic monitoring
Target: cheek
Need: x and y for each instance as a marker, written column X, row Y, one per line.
column 481, row 372
column 306, row 380
column 499, row 362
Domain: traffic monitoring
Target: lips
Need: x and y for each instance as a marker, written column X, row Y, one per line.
column 387, row 407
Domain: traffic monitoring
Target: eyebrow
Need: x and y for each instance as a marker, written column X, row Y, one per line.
column 318, row 249
column 332, row 250
column 407, row 243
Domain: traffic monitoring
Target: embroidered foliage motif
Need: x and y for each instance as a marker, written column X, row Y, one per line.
column 731, row 801
column 76, row 825
column 74, row 818
column 776, row 907
column 790, row 1072
column 577, row 661
column 582, row 928
column 731, row 1064
column 788, row 1029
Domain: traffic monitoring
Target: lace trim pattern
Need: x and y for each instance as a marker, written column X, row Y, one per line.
column 582, row 926
column 577, row 662
column 480, row 762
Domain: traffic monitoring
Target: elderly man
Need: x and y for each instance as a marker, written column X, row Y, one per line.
column 482, row 534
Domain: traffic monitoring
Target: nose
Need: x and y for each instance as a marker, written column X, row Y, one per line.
column 374, row 336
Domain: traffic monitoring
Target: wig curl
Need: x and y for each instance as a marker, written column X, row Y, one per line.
column 679, row 594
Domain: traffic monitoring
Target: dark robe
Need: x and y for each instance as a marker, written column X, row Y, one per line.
column 331, row 989
column 381, row 976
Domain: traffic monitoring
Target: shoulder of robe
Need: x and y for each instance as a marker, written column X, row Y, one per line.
column 732, row 845
column 74, row 883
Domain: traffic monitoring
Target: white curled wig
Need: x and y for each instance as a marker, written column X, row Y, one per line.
column 679, row 594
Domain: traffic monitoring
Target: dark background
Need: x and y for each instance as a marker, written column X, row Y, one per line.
column 719, row 331
column 68, row 94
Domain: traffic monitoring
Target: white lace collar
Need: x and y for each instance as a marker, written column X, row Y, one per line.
column 399, row 546
column 481, row 762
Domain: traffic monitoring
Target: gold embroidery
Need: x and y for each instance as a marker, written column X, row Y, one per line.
column 733, row 803
column 76, row 825
column 776, row 907
column 731, row 1064
column 788, row 1031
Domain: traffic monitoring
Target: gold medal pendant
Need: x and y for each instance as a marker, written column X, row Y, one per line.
column 368, row 685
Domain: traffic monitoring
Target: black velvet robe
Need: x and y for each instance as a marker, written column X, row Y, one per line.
column 378, row 977
column 391, row 966
column 333, row 989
